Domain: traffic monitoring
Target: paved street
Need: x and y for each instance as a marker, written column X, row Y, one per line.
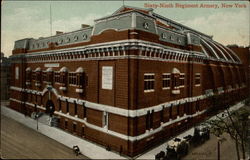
column 21, row 142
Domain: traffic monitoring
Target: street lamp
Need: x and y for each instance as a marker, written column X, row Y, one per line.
column 218, row 146
column 36, row 116
column 36, row 121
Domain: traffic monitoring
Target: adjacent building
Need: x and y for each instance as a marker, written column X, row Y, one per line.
column 5, row 78
column 128, row 82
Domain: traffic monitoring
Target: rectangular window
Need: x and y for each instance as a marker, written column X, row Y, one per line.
column 44, row 76
column 149, row 80
column 170, row 111
column 152, row 119
column 57, row 77
column 38, row 77
column 148, row 120
column 17, row 73
column 60, row 104
column 31, row 96
column 186, row 108
column 182, row 79
column 80, row 79
column 67, row 106
column 197, row 106
column 28, row 76
column 162, row 114
column 66, row 124
column 72, row 79
column 75, row 105
column 84, row 110
column 197, row 79
column 74, row 127
column 105, row 119
column 41, row 99
column 50, row 77
column 34, row 76
column 63, row 78
column 166, row 78
column 82, row 133
column 178, row 110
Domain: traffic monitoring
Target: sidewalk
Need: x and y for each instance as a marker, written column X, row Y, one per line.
column 88, row 149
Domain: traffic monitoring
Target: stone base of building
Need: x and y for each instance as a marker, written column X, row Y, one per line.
column 119, row 145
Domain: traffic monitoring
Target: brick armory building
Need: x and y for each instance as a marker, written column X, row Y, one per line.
column 129, row 81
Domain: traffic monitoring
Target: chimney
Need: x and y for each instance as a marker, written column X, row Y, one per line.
column 85, row 25
column 58, row 32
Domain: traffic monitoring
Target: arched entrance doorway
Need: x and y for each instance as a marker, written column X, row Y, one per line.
column 50, row 107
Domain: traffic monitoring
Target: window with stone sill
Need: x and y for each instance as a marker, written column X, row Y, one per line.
column 33, row 75
column 162, row 114
column 28, row 76
column 72, row 78
column 74, row 127
column 166, row 79
column 105, row 119
column 197, row 79
column 60, row 104
column 44, row 76
column 63, row 78
column 75, row 107
column 66, row 124
column 149, row 82
column 80, row 80
column 84, row 111
column 38, row 76
column 50, row 77
column 57, row 77
column 175, row 81
column 182, row 80
column 149, row 119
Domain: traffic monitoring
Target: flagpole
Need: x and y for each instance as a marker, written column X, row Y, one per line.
column 50, row 19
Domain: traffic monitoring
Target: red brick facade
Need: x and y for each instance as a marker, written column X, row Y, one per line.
column 126, row 118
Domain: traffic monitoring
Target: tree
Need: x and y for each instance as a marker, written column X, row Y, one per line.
column 235, row 124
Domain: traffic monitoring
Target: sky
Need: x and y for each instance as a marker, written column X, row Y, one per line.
column 31, row 19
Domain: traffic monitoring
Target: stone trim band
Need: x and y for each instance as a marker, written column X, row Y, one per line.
column 120, row 111
column 116, row 134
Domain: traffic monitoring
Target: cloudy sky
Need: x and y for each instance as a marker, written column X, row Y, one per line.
column 31, row 19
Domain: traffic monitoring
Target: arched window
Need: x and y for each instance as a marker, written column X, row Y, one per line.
column 175, row 81
column 49, row 72
column 80, row 79
column 57, row 77
column 38, row 80
column 63, row 78
column 28, row 76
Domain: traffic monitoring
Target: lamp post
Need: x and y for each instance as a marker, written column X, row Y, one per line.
column 218, row 147
column 36, row 116
column 36, row 121
column 217, row 133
